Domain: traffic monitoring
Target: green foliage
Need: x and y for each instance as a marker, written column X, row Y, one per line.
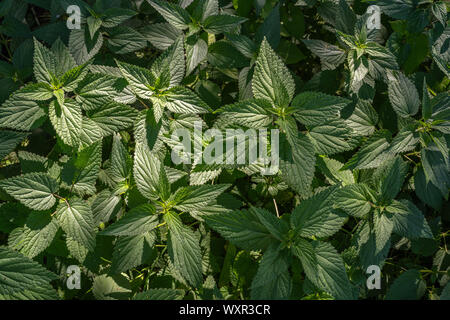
column 87, row 118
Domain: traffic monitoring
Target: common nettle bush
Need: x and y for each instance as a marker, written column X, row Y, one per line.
column 358, row 113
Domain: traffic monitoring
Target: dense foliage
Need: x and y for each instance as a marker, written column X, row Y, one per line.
column 87, row 178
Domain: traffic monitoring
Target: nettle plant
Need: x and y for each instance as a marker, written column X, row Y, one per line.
column 357, row 117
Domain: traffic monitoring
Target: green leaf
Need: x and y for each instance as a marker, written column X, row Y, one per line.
column 439, row 10
column 332, row 170
column 160, row 294
column 171, row 63
column 35, row 190
column 113, row 117
column 35, row 236
column 297, row 163
column 64, row 61
column 381, row 56
column 44, row 63
column 436, row 169
column 161, row 35
column 272, row 80
column 93, row 87
column 115, row 16
column 81, row 48
column 408, row 286
column 403, row 95
column 426, row 103
column 20, row 114
column 9, row 141
column 140, row 79
column 184, row 101
column 330, row 56
column 146, row 171
column 81, row 172
column 324, row 268
column 184, row 249
column 242, row 228
column 406, row 140
column 253, row 113
column 93, row 24
column 132, row 251
column 366, row 247
column 372, row 153
column 174, row 14
column 137, row 221
column 363, row 119
column 408, row 220
column 123, row 39
column 120, row 160
column 315, row 108
column 195, row 197
column 67, row 121
column 427, row 191
column 389, row 178
column 315, row 216
column 353, row 199
column 23, row 278
column 76, row 219
column 196, row 52
column 71, row 78
column 116, row 287
column 383, row 226
column 105, row 205
column 445, row 294
column 330, row 138
column 35, row 91
column 217, row 24
column 272, row 280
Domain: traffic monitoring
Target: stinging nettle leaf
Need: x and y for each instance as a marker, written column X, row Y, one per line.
column 35, row 190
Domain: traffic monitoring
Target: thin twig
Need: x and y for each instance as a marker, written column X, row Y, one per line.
column 276, row 207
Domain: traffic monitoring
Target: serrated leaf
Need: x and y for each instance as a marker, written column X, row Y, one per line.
column 132, row 251
column 408, row 220
column 9, row 141
column 353, row 199
column 76, row 219
column 403, row 95
column 272, row 81
column 242, row 228
column 184, row 249
column 174, row 14
column 272, row 280
column 146, row 171
column 297, row 163
column 216, row 24
column 35, row 236
column 35, row 190
column 314, row 108
column 195, row 197
column 372, row 153
column 324, row 268
column 316, row 217
column 23, row 278
column 330, row 56
column 137, row 221
column 67, row 121
column 160, row 294
column 140, row 79
column 20, row 114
